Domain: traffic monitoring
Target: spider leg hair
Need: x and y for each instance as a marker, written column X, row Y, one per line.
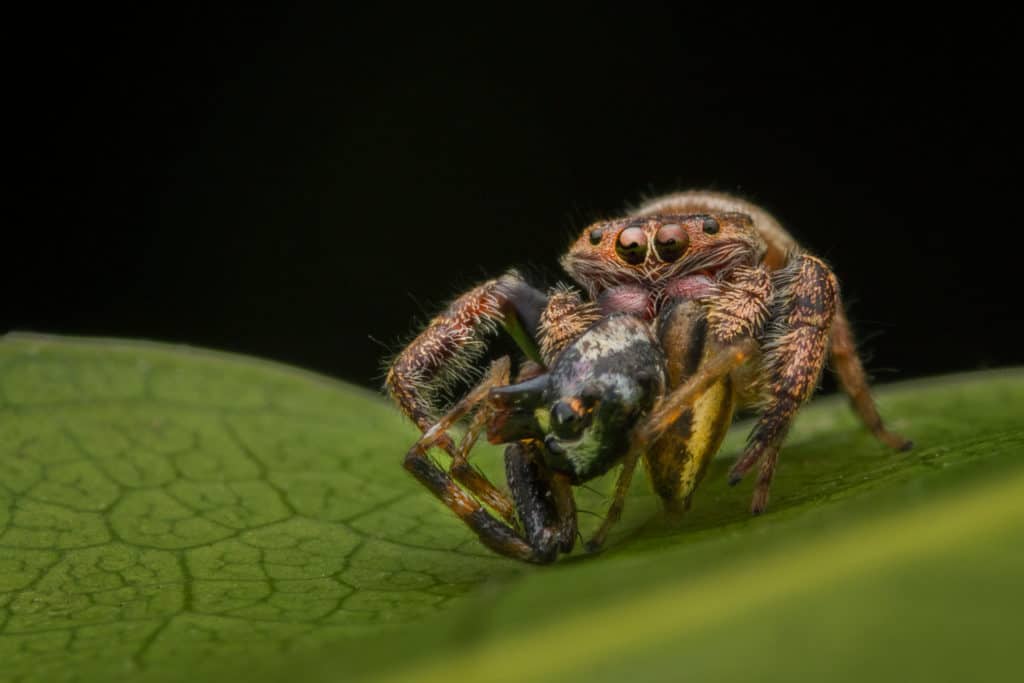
column 853, row 379
column 794, row 353
column 449, row 349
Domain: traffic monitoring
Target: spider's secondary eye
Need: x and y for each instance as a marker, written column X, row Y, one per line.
column 710, row 225
column 671, row 241
column 632, row 246
column 595, row 235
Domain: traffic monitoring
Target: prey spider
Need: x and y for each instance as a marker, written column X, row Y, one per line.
column 693, row 306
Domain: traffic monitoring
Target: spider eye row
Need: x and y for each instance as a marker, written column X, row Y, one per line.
column 670, row 242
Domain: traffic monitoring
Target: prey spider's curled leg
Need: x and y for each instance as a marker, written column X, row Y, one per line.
column 543, row 499
column 795, row 348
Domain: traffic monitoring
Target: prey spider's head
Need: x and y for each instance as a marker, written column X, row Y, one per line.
column 648, row 249
column 584, row 408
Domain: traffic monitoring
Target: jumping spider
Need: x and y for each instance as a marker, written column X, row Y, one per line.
column 697, row 304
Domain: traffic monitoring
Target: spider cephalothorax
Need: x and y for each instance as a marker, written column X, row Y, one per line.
column 719, row 309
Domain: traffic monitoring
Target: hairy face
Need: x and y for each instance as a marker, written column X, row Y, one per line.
column 648, row 250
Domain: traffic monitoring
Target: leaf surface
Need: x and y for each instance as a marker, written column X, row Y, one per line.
column 169, row 513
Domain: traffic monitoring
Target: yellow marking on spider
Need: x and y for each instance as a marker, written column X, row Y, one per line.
column 712, row 413
column 543, row 416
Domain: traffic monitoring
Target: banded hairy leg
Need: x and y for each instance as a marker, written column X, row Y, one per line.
column 440, row 357
column 795, row 349
column 445, row 352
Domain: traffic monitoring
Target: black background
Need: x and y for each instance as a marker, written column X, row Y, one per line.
column 312, row 187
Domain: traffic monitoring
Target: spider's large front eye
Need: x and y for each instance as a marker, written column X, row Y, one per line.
column 632, row 246
column 670, row 242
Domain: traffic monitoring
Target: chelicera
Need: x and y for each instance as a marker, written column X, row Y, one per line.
column 695, row 305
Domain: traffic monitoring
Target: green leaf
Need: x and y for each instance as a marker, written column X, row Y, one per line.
column 167, row 513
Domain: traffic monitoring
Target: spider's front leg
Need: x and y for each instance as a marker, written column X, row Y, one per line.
column 446, row 351
column 440, row 356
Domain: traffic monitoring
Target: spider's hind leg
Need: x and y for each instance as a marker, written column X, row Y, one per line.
column 852, row 378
